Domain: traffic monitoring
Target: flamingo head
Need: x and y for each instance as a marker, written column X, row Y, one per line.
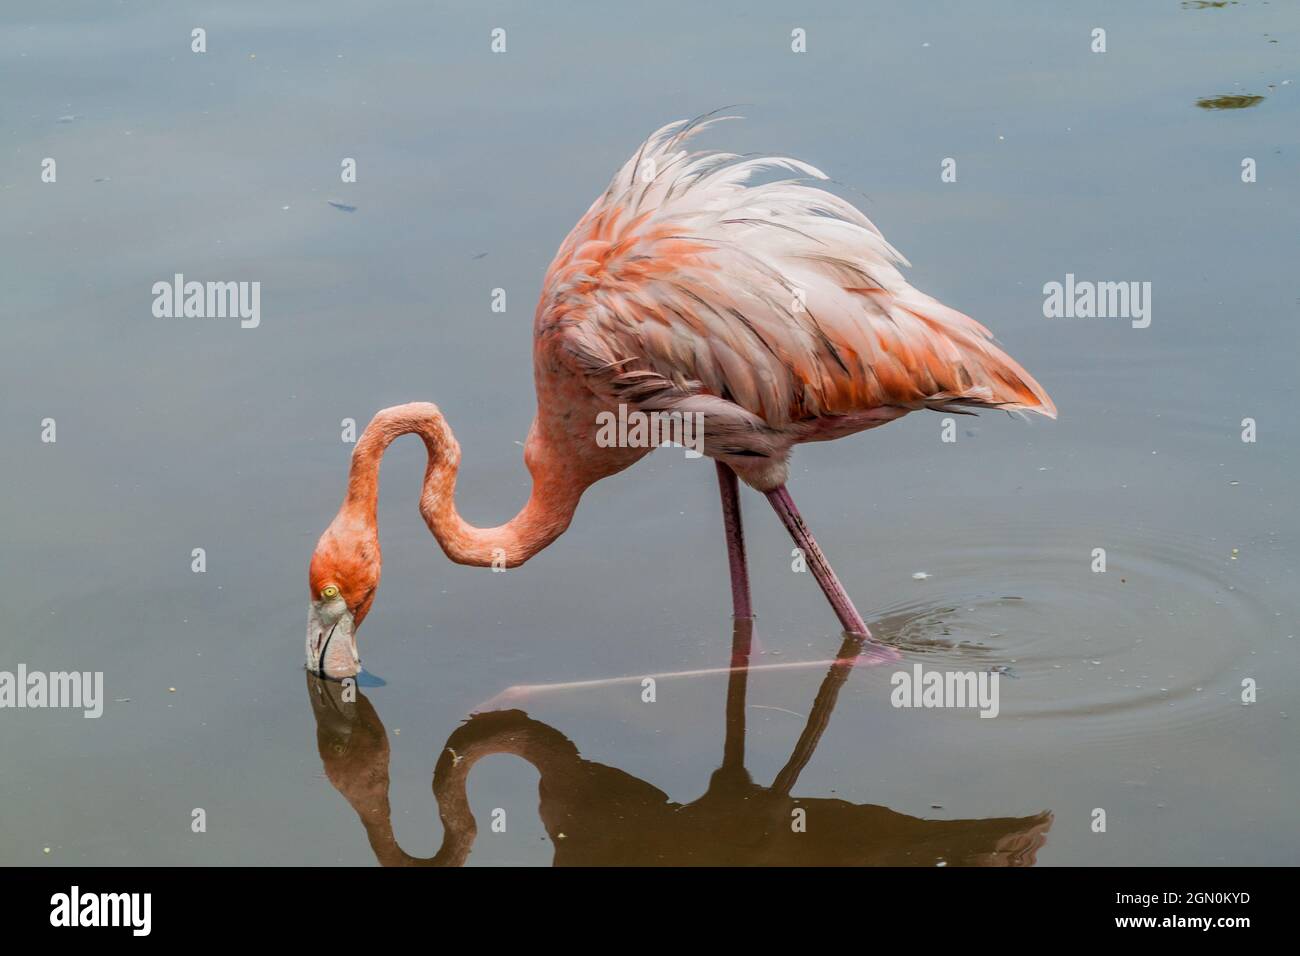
column 343, row 577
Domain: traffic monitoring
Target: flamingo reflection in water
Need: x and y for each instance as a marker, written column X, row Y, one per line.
column 597, row 815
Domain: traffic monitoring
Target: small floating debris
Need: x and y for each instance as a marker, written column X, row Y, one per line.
column 343, row 206
column 121, row 700
column 65, row 119
column 45, row 850
column 1230, row 101
column 920, row 575
column 1005, row 670
column 103, row 179
column 1235, row 552
column 171, row 690
column 481, row 255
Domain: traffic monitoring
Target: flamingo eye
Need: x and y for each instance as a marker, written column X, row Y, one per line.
column 329, row 591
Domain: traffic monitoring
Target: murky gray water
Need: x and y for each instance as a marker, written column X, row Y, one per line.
column 1120, row 691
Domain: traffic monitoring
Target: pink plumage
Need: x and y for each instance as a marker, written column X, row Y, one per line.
column 778, row 310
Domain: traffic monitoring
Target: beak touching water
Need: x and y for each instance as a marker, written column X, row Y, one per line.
column 332, row 639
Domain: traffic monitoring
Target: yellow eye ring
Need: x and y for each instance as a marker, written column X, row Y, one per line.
column 329, row 591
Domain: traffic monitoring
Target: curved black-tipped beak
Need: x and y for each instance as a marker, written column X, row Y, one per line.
column 332, row 640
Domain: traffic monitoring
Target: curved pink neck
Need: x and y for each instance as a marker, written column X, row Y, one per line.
column 543, row 518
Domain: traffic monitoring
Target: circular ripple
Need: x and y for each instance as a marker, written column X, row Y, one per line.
column 1163, row 637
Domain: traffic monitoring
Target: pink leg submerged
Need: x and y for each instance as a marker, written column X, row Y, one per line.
column 729, row 485
column 849, row 617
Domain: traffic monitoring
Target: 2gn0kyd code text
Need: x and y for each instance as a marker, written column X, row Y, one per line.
column 1196, row 897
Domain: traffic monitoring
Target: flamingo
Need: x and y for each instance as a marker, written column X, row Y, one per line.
column 772, row 312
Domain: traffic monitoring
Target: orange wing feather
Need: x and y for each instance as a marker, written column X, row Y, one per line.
column 778, row 305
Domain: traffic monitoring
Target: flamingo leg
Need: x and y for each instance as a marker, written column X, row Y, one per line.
column 733, row 747
column 849, row 617
column 728, row 484
column 819, row 717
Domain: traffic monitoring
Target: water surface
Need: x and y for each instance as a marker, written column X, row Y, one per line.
column 1119, row 691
